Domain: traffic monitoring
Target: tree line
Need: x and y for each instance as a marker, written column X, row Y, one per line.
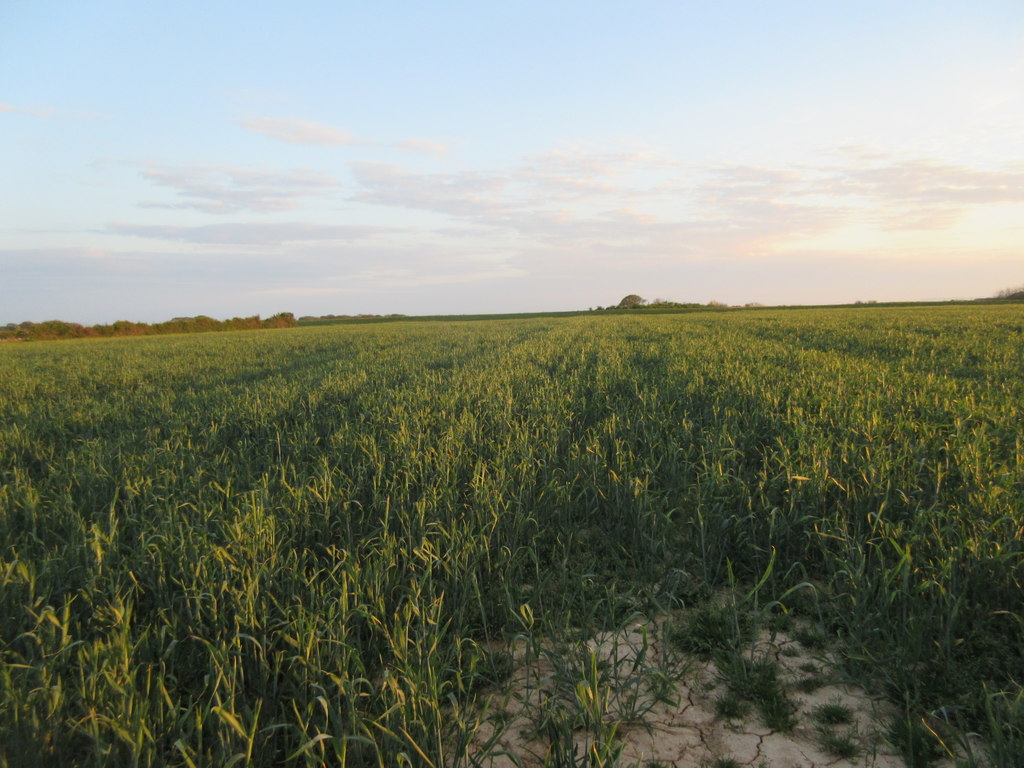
column 58, row 329
column 633, row 301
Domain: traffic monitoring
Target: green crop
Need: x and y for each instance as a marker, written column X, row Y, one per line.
column 311, row 546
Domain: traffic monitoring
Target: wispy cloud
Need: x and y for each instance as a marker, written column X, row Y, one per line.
column 422, row 146
column 248, row 234
column 609, row 203
column 301, row 132
column 10, row 109
column 638, row 203
column 314, row 134
column 552, row 184
column 388, row 280
column 464, row 194
column 930, row 181
column 43, row 259
column 577, row 173
column 929, row 194
column 758, row 208
column 409, row 279
column 233, row 190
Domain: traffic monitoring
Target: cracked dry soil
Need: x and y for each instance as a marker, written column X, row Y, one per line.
column 689, row 733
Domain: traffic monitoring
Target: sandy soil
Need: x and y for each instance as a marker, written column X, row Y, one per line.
column 687, row 733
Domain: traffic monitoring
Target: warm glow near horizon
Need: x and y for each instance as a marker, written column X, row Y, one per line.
column 326, row 158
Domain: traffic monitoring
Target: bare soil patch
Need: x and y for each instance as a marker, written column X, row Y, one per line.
column 650, row 705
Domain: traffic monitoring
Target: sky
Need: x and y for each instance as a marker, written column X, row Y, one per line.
column 237, row 158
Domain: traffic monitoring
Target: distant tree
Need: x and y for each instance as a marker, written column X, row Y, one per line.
column 281, row 320
column 632, row 301
column 1011, row 293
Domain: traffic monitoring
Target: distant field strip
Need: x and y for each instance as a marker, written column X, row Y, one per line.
column 310, row 546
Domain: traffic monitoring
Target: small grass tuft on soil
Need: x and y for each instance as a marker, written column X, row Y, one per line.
column 711, row 628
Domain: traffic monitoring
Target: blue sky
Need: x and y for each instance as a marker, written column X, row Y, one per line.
column 229, row 158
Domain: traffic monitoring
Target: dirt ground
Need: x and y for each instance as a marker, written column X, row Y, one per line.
column 688, row 733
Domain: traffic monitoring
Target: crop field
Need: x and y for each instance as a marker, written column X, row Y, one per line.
column 318, row 546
